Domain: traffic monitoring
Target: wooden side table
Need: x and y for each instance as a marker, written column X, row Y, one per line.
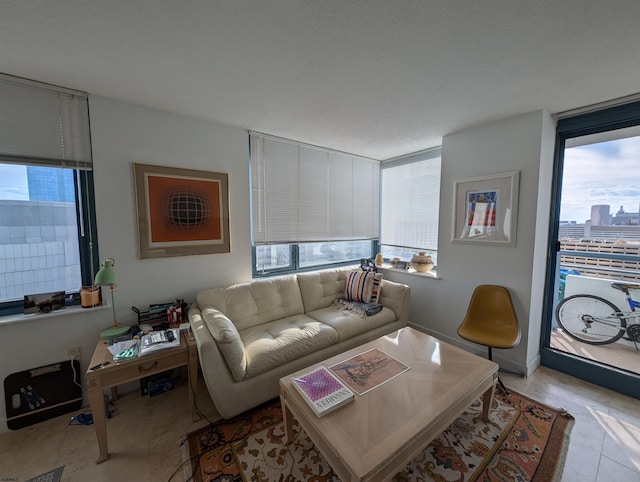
column 116, row 373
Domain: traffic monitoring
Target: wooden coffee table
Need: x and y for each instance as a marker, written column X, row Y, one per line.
column 375, row 436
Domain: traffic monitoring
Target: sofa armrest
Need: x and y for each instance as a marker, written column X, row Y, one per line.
column 208, row 352
column 217, row 377
column 397, row 297
column 226, row 337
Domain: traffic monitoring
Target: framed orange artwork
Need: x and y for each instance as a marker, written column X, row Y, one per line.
column 181, row 212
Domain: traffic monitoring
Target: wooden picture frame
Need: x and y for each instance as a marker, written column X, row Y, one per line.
column 181, row 212
column 486, row 209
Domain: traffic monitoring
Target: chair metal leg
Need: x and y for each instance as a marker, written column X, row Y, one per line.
column 504, row 388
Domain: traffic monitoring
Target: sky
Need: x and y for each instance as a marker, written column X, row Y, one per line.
column 13, row 183
column 602, row 173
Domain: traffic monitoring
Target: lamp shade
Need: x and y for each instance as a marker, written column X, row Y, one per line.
column 106, row 276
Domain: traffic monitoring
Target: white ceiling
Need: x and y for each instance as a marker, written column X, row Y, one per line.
column 378, row 78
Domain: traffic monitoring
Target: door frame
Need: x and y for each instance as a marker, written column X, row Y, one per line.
column 612, row 118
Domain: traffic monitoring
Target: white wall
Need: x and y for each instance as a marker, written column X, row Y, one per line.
column 543, row 209
column 121, row 135
column 520, row 143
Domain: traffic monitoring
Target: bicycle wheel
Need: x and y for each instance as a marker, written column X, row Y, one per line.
column 591, row 319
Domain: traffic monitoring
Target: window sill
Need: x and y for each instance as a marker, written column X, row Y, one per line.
column 387, row 268
column 72, row 310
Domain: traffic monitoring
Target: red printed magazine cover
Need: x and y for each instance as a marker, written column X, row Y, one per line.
column 323, row 391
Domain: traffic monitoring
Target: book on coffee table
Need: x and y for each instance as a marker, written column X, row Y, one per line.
column 368, row 370
column 323, row 391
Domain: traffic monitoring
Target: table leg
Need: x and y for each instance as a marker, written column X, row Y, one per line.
column 287, row 419
column 192, row 376
column 487, row 401
column 96, row 402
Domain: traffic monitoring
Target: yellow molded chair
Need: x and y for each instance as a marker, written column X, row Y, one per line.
column 491, row 320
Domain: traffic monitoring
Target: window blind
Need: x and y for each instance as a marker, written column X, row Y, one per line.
column 410, row 201
column 43, row 125
column 303, row 193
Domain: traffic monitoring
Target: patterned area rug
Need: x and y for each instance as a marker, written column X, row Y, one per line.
column 524, row 441
column 52, row 476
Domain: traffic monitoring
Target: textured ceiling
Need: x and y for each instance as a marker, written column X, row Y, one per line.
column 378, row 78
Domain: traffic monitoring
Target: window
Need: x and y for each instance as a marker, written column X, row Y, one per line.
column 310, row 206
column 47, row 234
column 410, row 200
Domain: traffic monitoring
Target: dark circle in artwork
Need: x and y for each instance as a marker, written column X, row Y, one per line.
column 187, row 210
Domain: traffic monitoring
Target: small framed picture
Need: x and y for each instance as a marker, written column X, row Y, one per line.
column 486, row 209
column 402, row 264
column 43, row 302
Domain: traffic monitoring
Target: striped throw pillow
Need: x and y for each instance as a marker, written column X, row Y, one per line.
column 375, row 289
column 359, row 286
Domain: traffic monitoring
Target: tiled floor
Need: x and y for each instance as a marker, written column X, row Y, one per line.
column 605, row 439
column 622, row 354
column 145, row 436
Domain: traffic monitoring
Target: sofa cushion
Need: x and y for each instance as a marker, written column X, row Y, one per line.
column 256, row 302
column 275, row 343
column 320, row 289
column 349, row 323
column 228, row 339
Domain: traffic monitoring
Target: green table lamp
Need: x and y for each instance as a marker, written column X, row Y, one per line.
column 106, row 276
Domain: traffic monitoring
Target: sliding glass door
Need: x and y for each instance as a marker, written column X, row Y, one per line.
column 594, row 250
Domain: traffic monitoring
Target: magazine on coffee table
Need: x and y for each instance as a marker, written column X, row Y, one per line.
column 323, row 391
column 368, row 370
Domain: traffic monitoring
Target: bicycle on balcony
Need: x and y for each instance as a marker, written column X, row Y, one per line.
column 596, row 321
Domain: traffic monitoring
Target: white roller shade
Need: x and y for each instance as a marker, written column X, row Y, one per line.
column 411, row 201
column 302, row 193
column 43, row 125
column 312, row 204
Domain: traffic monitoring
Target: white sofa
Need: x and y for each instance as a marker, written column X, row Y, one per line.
column 250, row 335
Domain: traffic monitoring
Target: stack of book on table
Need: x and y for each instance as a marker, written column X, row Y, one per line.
column 323, row 391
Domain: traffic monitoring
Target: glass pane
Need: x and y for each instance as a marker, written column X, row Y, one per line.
column 315, row 254
column 599, row 239
column 272, row 257
column 39, row 249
